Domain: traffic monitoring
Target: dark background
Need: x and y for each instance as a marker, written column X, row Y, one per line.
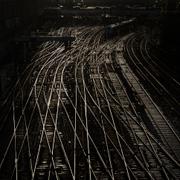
column 16, row 16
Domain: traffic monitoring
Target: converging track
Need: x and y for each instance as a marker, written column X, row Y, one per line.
column 84, row 114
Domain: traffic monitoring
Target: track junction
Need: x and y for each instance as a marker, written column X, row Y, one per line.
column 87, row 113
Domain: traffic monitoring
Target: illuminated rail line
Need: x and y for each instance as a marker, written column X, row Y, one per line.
column 78, row 114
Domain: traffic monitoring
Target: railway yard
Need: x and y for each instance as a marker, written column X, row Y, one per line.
column 100, row 109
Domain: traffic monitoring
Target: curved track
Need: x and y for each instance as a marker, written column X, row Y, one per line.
column 84, row 114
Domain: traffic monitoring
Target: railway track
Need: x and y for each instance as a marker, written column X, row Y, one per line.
column 84, row 114
column 163, row 84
